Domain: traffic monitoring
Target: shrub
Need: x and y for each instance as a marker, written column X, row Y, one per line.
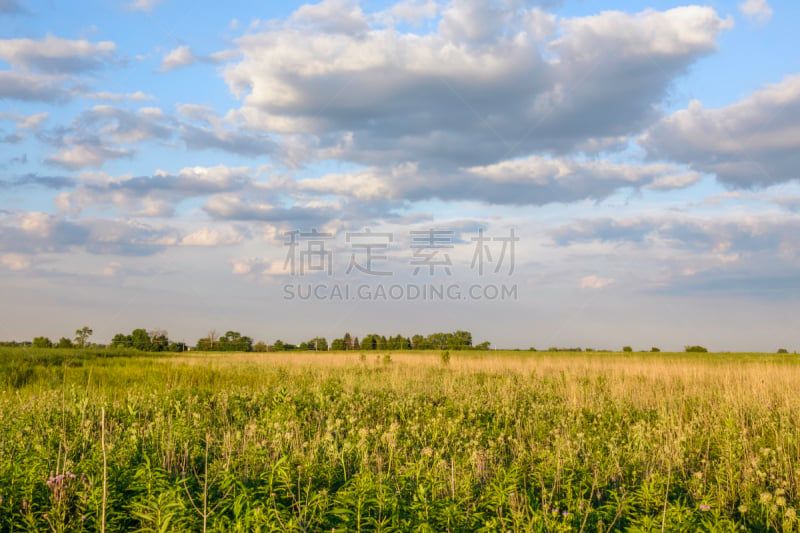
column 783, row 350
column 444, row 357
column 698, row 349
column 627, row 349
column 654, row 349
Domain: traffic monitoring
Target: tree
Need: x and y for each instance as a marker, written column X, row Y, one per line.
column 158, row 340
column 627, row 349
column 82, row 335
column 212, row 338
column 140, row 340
column 698, row 349
column 121, row 340
column 42, row 342
column 337, row 345
column 356, row 344
column 348, row 342
column 654, row 349
column 65, row 343
column 780, row 350
column 277, row 346
column 260, row 346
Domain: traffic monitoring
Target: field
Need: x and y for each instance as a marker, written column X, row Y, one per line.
column 494, row 441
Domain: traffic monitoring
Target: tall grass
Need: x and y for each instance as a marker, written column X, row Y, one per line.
column 491, row 441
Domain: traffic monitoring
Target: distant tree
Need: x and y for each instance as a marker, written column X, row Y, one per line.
column 140, row 340
column 260, row 346
column 158, row 340
column 121, row 340
column 82, row 336
column 277, row 346
column 484, row 346
column 338, row 345
column 64, row 342
column 176, row 347
column 654, row 349
column 42, row 342
column 348, row 342
column 780, row 350
column 356, row 344
column 627, row 349
column 698, row 349
column 321, row 344
column 212, row 339
column 303, row 347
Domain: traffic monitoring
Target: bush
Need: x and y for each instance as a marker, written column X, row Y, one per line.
column 654, row 349
column 783, row 350
column 627, row 349
column 698, row 349
column 444, row 357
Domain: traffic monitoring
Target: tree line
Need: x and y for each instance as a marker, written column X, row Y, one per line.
column 232, row 341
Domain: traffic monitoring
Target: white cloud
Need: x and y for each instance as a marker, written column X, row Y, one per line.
column 758, row 11
column 594, row 282
column 179, row 57
column 137, row 96
column 86, row 155
column 56, row 56
column 755, row 141
column 212, row 237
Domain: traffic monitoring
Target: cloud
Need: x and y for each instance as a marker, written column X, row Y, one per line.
column 332, row 16
column 495, row 82
column 535, row 180
column 137, row 96
column 152, row 196
column 34, row 87
column 179, row 57
column 754, row 142
column 74, row 157
column 212, row 237
column 757, row 11
column 594, row 282
column 56, row 56
column 15, row 261
column 413, row 11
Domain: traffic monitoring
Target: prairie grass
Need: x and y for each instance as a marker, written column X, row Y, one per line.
column 371, row 441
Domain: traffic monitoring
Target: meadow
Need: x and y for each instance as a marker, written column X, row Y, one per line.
column 398, row 441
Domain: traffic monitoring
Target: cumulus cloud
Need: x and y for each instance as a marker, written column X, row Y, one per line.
column 53, row 55
column 34, row 87
column 106, row 96
column 75, row 157
column 758, row 11
column 153, row 196
column 495, row 82
column 754, row 142
column 212, row 237
column 178, row 57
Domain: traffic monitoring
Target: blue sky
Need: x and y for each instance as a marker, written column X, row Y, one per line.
column 645, row 155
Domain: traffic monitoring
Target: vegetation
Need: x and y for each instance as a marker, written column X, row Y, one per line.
column 696, row 349
column 507, row 441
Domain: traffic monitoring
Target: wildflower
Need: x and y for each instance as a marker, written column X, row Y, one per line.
column 790, row 513
column 743, row 509
column 765, row 497
column 705, row 507
column 780, row 501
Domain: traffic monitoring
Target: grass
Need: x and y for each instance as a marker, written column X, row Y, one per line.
column 485, row 441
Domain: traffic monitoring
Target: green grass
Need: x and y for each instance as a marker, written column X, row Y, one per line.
column 488, row 441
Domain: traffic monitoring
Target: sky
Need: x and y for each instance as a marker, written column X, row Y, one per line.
column 543, row 173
